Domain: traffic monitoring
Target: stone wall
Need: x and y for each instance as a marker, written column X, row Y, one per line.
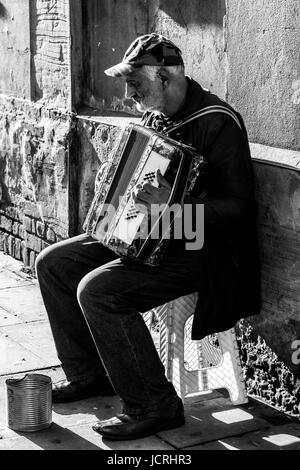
column 37, row 166
column 34, row 177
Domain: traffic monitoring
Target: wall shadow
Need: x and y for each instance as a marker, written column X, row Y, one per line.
column 36, row 92
column 185, row 12
column 3, row 11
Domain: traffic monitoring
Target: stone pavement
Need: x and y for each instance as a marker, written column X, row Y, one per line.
column 26, row 345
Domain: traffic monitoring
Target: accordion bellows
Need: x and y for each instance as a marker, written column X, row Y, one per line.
column 113, row 217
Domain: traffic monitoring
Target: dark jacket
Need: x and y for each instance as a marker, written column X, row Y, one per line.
column 230, row 251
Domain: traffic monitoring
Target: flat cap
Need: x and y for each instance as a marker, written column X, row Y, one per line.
column 150, row 49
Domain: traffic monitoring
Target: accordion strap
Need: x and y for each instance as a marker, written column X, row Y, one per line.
column 204, row 112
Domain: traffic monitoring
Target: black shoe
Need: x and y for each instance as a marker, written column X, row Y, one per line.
column 125, row 427
column 65, row 391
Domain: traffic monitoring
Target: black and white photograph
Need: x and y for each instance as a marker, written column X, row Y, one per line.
column 150, row 228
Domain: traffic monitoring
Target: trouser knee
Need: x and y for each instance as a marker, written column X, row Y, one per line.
column 95, row 292
column 84, row 296
column 44, row 260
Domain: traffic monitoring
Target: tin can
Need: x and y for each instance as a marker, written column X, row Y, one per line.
column 29, row 403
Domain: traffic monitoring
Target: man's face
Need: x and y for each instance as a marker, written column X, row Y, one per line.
column 147, row 93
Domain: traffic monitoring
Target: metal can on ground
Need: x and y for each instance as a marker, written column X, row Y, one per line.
column 29, row 403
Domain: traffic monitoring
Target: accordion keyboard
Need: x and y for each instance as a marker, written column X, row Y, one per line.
column 149, row 177
column 131, row 218
column 132, row 212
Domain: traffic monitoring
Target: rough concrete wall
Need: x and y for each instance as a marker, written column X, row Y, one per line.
column 109, row 27
column 197, row 28
column 263, row 44
column 15, row 48
column 267, row 378
column 278, row 196
column 34, row 177
column 50, row 47
column 37, row 206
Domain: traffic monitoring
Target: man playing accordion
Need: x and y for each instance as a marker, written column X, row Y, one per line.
column 94, row 297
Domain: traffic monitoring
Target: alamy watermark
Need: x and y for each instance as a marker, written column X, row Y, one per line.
column 179, row 222
column 296, row 354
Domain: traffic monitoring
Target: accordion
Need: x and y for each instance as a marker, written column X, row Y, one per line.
column 113, row 217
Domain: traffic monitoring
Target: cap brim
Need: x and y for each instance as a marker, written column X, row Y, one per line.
column 119, row 70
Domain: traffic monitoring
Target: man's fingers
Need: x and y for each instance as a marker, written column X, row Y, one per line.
column 142, row 207
column 143, row 196
column 148, row 188
column 161, row 180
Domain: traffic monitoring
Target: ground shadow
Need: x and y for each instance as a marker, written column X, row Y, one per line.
column 98, row 407
column 58, row 438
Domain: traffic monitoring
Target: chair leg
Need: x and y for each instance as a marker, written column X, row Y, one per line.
column 232, row 373
column 227, row 374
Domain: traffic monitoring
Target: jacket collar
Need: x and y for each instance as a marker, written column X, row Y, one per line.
column 193, row 100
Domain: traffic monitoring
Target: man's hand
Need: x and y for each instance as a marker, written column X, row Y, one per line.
column 146, row 194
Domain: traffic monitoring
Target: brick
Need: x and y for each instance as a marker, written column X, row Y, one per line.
column 33, row 226
column 13, row 213
column 32, row 258
column 15, row 228
column 40, row 229
column 5, row 244
column 44, row 244
column 18, row 254
column 27, row 223
column 6, row 223
column 50, row 235
column 33, row 242
column 3, row 240
column 11, row 245
column 21, row 231
column 24, row 253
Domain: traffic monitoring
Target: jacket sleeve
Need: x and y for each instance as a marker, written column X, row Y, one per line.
column 230, row 190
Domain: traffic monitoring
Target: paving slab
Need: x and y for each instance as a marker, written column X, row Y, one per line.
column 76, row 438
column 72, row 426
column 26, row 344
column 211, row 421
column 7, row 318
column 86, row 411
column 11, row 279
column 35, row 337
column 16, row 358
column 10, row 264
column 72, row 430
column 285, row 437
column 25, row 302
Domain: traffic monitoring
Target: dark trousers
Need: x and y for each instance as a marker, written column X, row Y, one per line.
column 94, row 299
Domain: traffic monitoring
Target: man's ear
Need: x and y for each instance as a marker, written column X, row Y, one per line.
column 164, row 77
